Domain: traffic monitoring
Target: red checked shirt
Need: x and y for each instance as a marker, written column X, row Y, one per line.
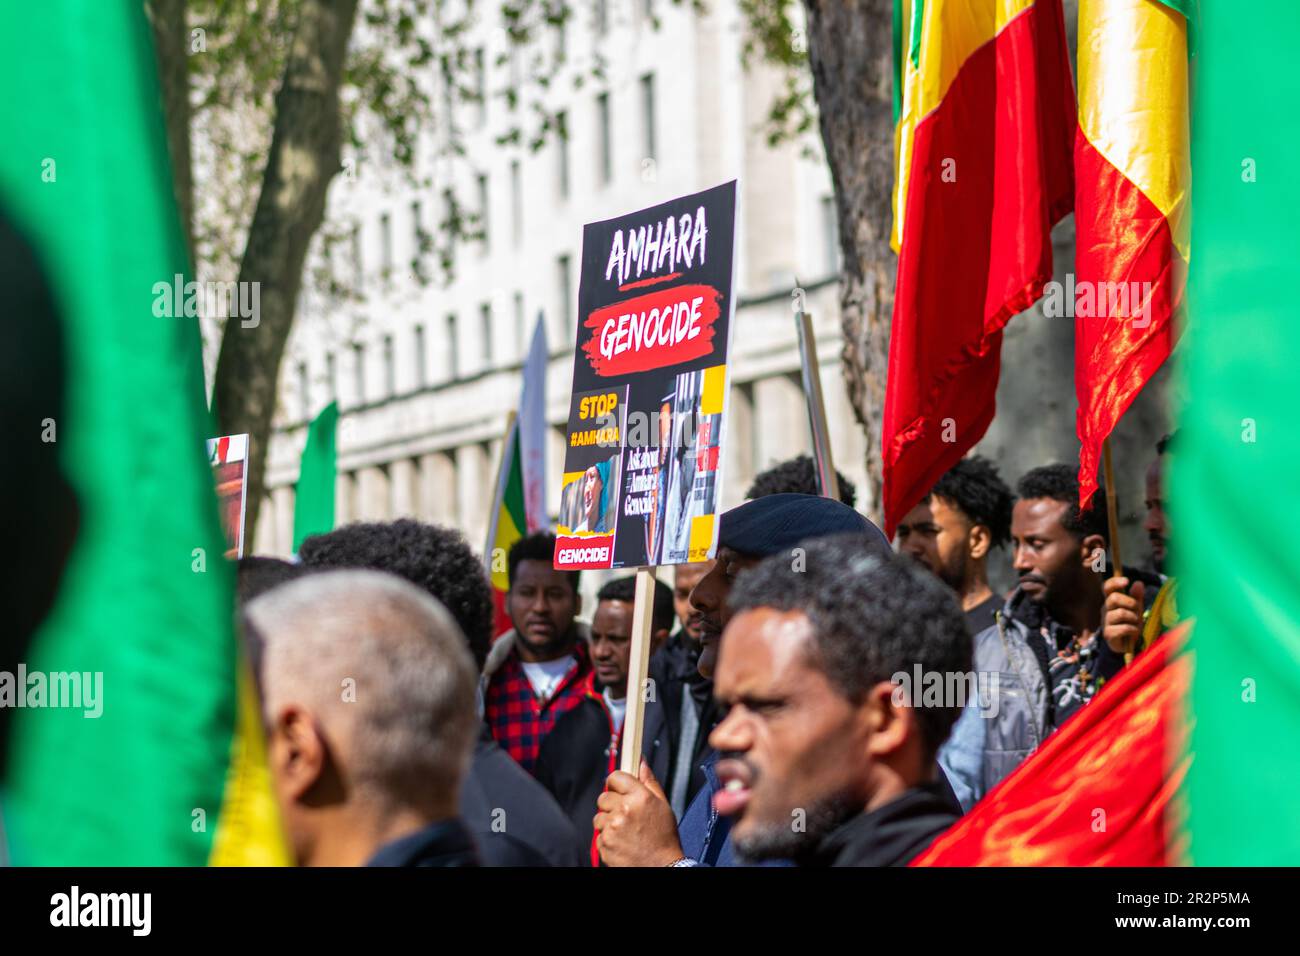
column 518, row 719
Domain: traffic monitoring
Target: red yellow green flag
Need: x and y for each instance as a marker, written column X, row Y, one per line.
column 983, row 140
column 1132, row 210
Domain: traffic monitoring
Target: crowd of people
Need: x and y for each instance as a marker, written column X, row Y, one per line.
column 400, row 732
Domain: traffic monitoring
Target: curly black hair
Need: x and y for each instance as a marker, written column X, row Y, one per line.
column 255, row 574
column 538, row 546
column 433, row 558
column 798, row 475
column 624, row 589
column 873, row 615
column 974, row 486
column 1060, row 482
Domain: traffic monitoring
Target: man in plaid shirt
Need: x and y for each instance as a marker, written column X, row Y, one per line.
column 538, row 671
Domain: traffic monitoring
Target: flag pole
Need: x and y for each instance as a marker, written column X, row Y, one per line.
column 1112, row 522
column 638, row 668
column 503, row 475
column 1112, row 509
column 810, row 369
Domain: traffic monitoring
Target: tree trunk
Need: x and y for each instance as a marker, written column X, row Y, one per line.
column 850, row 51
column 171, row 45
column 303, row 159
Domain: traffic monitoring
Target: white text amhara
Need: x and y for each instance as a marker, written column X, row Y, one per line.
column 679, row 322
column 662, row 247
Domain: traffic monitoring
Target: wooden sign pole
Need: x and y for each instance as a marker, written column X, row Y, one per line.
column 638, row 670
column 828, row 481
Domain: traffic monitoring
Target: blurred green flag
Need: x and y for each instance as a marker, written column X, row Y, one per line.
column 1235, row 464
column 138, row 774
column 313, row 506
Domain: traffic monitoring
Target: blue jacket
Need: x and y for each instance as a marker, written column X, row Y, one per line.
column 705, row 835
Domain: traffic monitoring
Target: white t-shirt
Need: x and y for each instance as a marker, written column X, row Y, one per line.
column 545, row 676
column 617, row 708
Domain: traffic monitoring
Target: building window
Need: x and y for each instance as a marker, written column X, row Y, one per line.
column 484, row 213
column 304, row 389
column 449, row 221
column 523, row 343
column 331, row 377
column 516, row 203
column 386, row 245
column 417, row 239
column 562, row 152
column 448, row 92
column 565, row 281
column 359, row 370
column 485, row 327
column 605, row 154
column 421, row 368
column 648, row 115
column 830, row 234
column 357, row 271
column 390, row 368
column 515, row 76
column 480, row 87
column 453, row 349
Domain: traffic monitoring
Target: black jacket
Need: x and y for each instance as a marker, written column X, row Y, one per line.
column 446, row 843
column 891, row 835
column 579, row 753
column 674, row 668
column 514, row 821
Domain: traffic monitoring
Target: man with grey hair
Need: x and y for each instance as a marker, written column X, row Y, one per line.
column 368, row 699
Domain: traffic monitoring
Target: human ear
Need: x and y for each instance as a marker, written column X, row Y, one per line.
column 299, row 754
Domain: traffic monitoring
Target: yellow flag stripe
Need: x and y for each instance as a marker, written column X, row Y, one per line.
column 1133, row 100
column 507, row 534
column 249, row 832
column 951, row 30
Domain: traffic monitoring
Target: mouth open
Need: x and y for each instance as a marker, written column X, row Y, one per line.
column 736, row 779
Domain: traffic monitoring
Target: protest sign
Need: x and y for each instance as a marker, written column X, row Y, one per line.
column 642, row 466
column 228, row 457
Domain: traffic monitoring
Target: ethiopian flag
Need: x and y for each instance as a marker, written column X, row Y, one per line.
column 983, row 144
column 519, row 503
column 508, row 523
column 171, row 770
column 1132, row 207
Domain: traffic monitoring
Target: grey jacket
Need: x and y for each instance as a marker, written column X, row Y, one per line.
column 992, row 737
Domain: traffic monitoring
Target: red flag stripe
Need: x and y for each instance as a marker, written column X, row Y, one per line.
column 991, row 173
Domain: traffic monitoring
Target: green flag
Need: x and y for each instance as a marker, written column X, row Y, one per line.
column 135, row 775
column 313, row 506
column 1235, row 464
